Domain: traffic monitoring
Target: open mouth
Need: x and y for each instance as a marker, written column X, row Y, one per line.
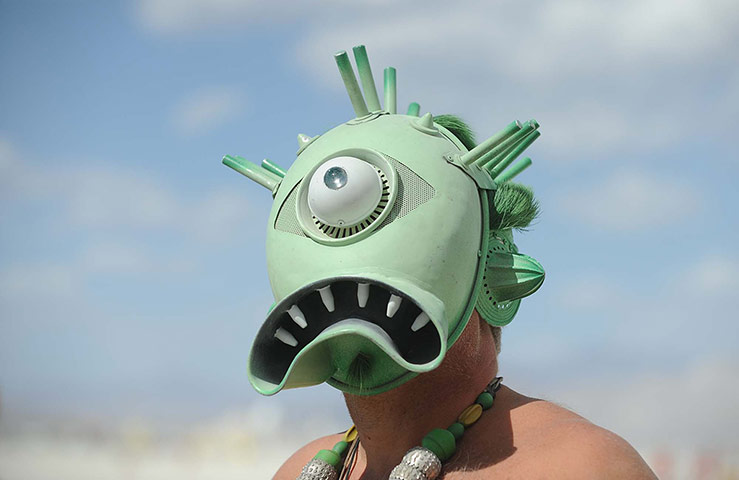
column 304, row 315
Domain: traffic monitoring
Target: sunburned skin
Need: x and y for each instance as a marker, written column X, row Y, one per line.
column 519, row 437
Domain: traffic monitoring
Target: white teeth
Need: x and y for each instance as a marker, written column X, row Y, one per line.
column 327, row 297
column 420, row 322
column 285, row 337
column 393, row 305
column 297, row 316
column 362, row 294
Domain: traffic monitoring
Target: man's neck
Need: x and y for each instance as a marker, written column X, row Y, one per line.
column 391, row 423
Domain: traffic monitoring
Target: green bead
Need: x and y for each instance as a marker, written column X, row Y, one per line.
column 340, row 447
column 329, row 456
column 441, row 442
column 457, row 430
column 485, row 400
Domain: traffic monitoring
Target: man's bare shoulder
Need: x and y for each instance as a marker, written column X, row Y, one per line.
column 549, row 441
column 292, row 467
column 581, row 449
column 529, row 438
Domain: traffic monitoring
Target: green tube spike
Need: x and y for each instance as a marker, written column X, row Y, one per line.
column 495, row 155
column 274, row 168
column 391, row 102
column 250, row 170
column 490, row 143
column 413, row 109
column 513, row 154
column 365, row 75
column 350, row 82
column 510, row 173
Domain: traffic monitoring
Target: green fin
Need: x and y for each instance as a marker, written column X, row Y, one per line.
column 511, row 276
column 508, row 278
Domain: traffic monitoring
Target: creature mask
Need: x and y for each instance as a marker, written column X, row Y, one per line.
column 383, row 236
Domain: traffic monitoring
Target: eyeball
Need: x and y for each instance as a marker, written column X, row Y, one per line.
column 335, row 178
column 344, row 191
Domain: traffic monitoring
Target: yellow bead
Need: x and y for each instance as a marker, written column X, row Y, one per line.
column 470, row 414
column 350, row 434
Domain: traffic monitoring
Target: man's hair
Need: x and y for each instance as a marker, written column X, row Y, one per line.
column 459, row 128
column 496, row 336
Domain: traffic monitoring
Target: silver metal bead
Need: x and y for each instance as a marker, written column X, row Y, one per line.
column 423, row 460
column 318, row 469
column 405, row 471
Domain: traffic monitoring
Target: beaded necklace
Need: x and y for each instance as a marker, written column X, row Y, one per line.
column 419, row 463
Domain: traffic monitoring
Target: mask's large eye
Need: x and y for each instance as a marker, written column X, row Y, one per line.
column 344, row 191
column 345, row 197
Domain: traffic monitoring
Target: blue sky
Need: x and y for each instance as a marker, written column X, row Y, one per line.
column 132, row 274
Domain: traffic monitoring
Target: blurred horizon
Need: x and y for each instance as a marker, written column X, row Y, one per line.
column 132, row 270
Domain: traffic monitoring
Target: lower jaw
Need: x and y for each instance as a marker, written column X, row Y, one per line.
column 354, row 388
column 362, row 368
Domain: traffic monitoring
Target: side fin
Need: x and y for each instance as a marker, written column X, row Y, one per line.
column 512, row 276
column 508, row 278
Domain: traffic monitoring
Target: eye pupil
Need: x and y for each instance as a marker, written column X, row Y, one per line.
column 335, row 178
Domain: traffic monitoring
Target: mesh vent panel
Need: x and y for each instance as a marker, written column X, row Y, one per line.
column 413, row 191
column 287, row 220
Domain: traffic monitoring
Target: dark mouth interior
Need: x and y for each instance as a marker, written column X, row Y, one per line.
column 272, row 356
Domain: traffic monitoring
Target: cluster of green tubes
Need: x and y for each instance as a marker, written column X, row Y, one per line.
column 494, row 155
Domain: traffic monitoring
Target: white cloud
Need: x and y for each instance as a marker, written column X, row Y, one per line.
column 111, row 258
column 108, row 197
column 678, row 297
column 119, row 199
column 562, row 37
column 731, row 104
column 584, row 130
column 33, row 281
column 589, row 293
column 206, row 109
column 218, row 216
column 631, row 200
column 113, row 198
column 693, row 407
column 656, row 367
column 43, row 282
column 183, row 17
column 186, row 16
column 7, row 154
column 115, row 258
column 570, row 36
column 684, row 313
column 113, row 207
column 603, row 77
column 712, row 276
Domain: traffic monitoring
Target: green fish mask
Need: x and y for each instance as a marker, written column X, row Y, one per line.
column 384, row 235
